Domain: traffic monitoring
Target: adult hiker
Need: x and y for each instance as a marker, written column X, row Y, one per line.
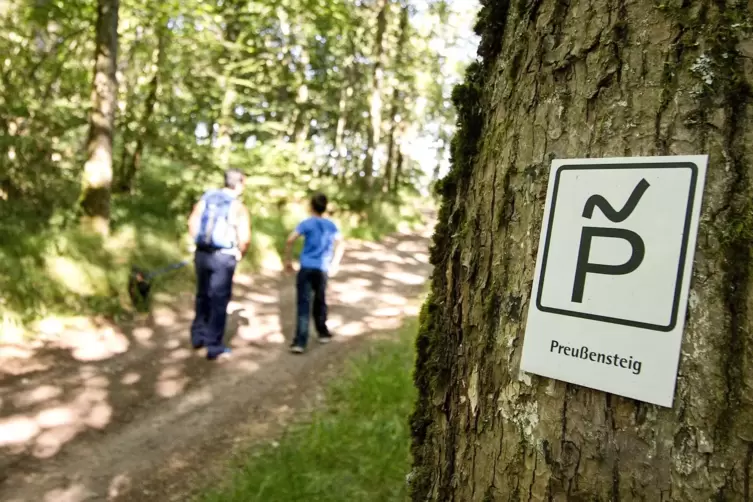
column 323, row 249
column 221, row 228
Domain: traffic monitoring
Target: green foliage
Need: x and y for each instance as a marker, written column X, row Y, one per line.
column 56, row 269
column 354, row 450
column 280, row 89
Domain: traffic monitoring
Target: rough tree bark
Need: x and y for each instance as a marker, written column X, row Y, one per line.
column 587, row 79
column 97, row 178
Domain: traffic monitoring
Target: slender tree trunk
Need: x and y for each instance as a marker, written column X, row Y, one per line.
column 346, row 94
column 97, row 177
column 387, row 181
column 396, row 104
column 342, row 120
column 127, row 87
column 375, row 100
column 587, row 79
column 225, row 122
column 300, row 130
column 398, row 170
column 224, row 140
column 146, row 131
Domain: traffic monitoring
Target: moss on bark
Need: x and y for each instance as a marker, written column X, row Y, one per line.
column 580, row 79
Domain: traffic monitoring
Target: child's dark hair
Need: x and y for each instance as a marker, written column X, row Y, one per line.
column 319, row 203
column 233, row 178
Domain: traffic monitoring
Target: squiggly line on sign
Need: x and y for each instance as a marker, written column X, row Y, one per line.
column 606, row 208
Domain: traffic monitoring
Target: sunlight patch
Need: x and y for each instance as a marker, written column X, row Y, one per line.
column 57, row 416
column 11, row 329
column 387, row 312
column 99, row 416
column 171, row 388
column 79, row 278
column 98, row 346
column 180, row 354
column 352, row 329
column 406, row 278
column 276, row 338
column 73, row 493
column 49, row 327
column 412, row 310
column 143, row 334
column 51, row 441
column 130, row 378
column 17, row 430
column 171, row 382
column 247, row 366
column 119, row 484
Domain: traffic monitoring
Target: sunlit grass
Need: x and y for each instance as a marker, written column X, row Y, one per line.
column 356, row 449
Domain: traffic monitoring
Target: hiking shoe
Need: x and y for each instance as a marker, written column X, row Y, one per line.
column 297, row 349
column 325, row 339
column 197, row 346
column 222, row 355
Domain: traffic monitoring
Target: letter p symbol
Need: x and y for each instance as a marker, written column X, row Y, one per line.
column 584, row 266
column 638, row 251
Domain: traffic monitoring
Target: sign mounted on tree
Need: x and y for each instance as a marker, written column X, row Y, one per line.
column 613, row 272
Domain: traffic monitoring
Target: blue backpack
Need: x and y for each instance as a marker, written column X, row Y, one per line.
column 216, row 230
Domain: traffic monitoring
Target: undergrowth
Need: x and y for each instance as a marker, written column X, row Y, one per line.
column 355, row 449
column 48, row 267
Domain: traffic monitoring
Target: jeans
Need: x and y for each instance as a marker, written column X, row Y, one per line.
column 311, row 280
column 214, row 286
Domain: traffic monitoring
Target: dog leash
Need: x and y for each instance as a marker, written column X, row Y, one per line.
column 174, row 266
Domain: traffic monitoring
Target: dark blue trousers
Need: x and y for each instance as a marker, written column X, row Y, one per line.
column 214, row 286
column 308, row 281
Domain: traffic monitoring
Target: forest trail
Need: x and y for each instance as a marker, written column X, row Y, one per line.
column 133, row 413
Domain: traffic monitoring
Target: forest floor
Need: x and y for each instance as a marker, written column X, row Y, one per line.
column 131, row 412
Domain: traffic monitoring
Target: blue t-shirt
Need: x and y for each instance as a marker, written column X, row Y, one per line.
column 319, row 242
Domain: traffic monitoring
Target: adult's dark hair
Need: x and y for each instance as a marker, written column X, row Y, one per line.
column 319, row 203
column 233, row 178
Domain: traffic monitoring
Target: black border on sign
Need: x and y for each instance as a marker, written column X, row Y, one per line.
column 683, row 250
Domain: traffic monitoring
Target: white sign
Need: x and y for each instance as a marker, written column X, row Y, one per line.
column 610, row 290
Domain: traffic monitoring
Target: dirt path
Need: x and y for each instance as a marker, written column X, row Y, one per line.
column 135, row 414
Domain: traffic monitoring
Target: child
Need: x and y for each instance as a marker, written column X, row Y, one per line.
column 323, row 249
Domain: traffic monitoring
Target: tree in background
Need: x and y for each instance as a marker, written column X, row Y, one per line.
column 97, row 178
column 303, row 90
column 181, row 89
column 587, row 79
column 396, row 106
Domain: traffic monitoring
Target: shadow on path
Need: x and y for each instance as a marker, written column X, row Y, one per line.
column 84, row 417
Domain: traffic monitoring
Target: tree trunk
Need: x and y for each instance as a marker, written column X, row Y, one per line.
column 231, row 34
column 225, row 122
column 300, row 130
column 146, row 130
column 398, row 169
column 396, row 104
column 128, row 88
column 387, row 180
column 587, row 79
column 338, row 152
column 97, row 178
column 346, row 95
column 375, row 101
